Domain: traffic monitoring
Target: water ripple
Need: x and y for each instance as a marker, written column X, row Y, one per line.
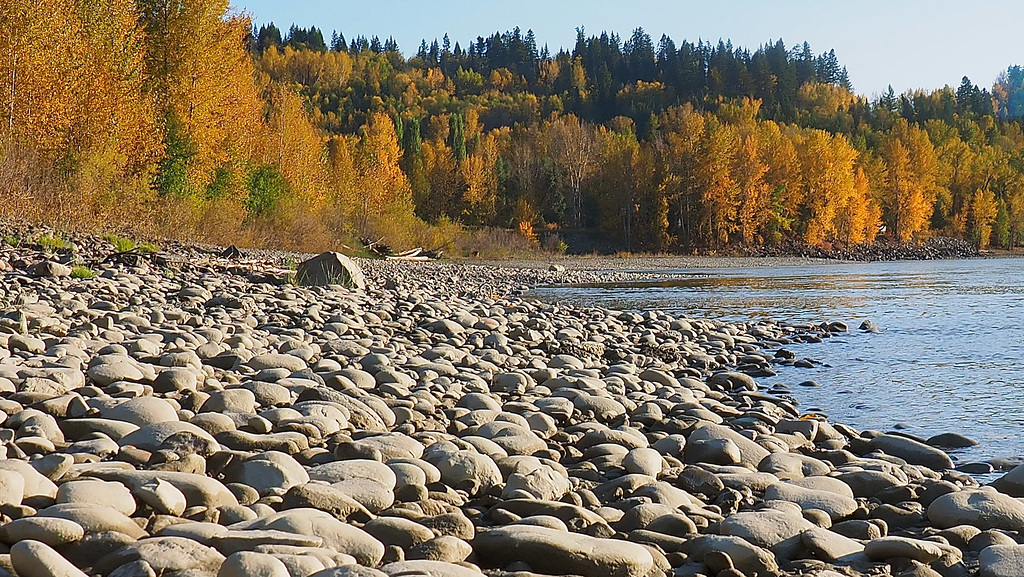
column 949, row 358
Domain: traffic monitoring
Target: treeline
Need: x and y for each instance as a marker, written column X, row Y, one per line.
column 671, row 146
column 181, row 116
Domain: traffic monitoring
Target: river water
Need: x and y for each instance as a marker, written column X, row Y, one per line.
column 950, row 357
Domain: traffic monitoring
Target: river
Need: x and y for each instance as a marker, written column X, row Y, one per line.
column 949, row 357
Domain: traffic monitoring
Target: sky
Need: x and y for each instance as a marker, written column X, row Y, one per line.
column 908, row 44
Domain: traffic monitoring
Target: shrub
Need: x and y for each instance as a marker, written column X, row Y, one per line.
column 221, row 185
column 492, row 242
column 267, row 187
column 553, row 243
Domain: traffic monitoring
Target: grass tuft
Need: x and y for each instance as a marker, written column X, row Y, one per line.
column 82, row 272
column 53, row 242
column 121, row 244
column 125, row 244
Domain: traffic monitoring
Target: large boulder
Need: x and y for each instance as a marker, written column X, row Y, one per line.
column 983, row 508
column 750, row 453
column 199, row 490
column 560, row 553
column 164, row 555
column 777, row 527
column 912, row 451
column 888, row 547
column 721, row 552
column 330, row 268
column 835, row 504
column 36, row 559
column 335, row 534
column 1012, row 483
column 1001, row 561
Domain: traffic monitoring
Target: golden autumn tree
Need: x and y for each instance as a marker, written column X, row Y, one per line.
column 826, row 106
column 827, row 163
column 683, row 131
column 40, row 70
column 442, row 195
column 981, row 215
column 385, row 195
column 117, row 133
column 71, row 92
column 343, row 199
column 910, row 189
column 783, row 179
column 295, row 146
column 753, row 190
column 718, row 188
column 40, row 92
column 201, row 77
column 479, row 175
column 993, row 180
column 858, row 216
column 289, row 189
column 954, row 174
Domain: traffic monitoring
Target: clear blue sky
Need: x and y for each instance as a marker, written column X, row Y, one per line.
column 906, row 43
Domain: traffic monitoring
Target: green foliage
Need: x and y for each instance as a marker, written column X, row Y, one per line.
column 266, row 188
column 221, row 184
column 1001, row 230
column 12, row 240
column 458, row 136
column 125, row 244
column 121, row 244
column 82, row 272
column 172, row 177
column 53, row 242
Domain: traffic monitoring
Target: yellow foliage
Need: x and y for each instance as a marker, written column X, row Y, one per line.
column 858, row 216
column 754, row 192
column 202, row 76
column 40, row 70
column 910, row 187
column 526, row 230
column 384, row 188
column 296, row 147
column 828, row 174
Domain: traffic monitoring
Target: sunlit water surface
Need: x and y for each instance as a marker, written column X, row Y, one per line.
column 950, row 357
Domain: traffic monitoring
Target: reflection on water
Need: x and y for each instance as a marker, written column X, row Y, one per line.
column 949, row 358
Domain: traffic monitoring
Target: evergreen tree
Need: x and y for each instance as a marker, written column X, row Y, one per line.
column 338, row 43
column 268, row 35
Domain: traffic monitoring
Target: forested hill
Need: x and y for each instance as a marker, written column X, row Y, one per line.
column 589, row 80
column 181, row 116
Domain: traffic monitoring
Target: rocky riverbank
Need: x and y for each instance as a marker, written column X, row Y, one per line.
column 935, row 248
column 182, row 414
